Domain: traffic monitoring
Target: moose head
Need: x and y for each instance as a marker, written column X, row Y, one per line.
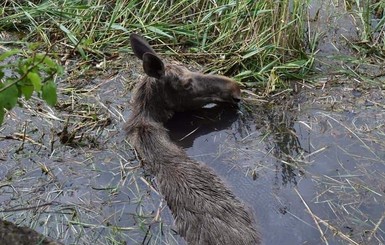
column 175, row 88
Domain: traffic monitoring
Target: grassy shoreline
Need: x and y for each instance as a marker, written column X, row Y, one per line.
column 246, row 39
column 260, row 43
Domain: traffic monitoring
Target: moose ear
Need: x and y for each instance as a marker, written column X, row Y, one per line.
column 153, row 66
column 140, row 46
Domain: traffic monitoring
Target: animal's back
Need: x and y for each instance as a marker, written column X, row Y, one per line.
column 204, row 209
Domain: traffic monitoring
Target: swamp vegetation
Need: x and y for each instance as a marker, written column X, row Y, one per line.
column 308, row 138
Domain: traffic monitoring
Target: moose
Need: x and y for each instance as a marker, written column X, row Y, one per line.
column 204, row 209
column 10, row 233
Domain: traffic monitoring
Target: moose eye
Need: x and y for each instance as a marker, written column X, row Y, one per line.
column 187, row 84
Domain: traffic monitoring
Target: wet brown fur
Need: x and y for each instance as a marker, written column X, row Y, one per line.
column 204, row 209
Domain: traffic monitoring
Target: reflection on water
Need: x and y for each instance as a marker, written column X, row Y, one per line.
column 317, row 157
column 287, row 161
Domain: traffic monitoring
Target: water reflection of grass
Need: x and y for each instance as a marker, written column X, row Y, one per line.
column 355, row 192
column 341, row 151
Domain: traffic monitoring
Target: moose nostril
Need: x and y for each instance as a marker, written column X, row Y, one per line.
column 237, row 99
column 236, row 94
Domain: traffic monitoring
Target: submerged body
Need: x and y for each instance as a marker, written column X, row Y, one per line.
column 204, row 209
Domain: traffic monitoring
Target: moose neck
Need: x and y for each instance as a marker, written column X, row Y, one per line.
column 145, row 125
column 150, row 101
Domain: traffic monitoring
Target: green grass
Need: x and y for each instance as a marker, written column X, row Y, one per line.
column 258, row 42
column 369, row 48
column 261, row 43
column 370, row 15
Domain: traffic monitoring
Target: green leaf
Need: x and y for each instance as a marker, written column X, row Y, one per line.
column 22, row 69
column 34, row 46
column 251, row 53
column 244, row 74
column 2, row 113
column 82, row 53
column 49, row 93
column 35, row 80
column 158, row 31
column 116, row 26
column 47, row 60
column 60, row 70
column 27, row 91
column 9, row 53
column 8, row 97
column 70, row 35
